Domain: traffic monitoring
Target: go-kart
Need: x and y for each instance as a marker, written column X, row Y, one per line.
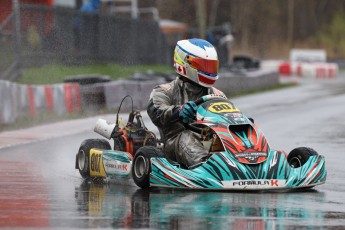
column 240, row 157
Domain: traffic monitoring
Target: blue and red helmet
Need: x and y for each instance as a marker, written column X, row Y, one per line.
column 197, row 60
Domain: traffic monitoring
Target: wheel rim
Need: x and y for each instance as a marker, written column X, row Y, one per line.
column 295, row 162
column 140, row 166
column 81, row 159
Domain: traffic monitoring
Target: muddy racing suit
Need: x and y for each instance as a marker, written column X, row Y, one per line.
column 180, row 144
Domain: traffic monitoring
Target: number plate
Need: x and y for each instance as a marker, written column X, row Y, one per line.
column 223, row 107
column 96, row 163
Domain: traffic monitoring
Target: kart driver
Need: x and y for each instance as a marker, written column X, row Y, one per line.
column 171, row 104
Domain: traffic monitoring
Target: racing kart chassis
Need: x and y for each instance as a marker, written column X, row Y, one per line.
column 240, row 157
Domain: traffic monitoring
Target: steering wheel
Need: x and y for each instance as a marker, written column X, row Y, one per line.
column 198, row 102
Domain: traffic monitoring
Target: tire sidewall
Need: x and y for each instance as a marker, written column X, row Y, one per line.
column 144, row 180
column 86, row 146
column 145, row 153
column 302, row 153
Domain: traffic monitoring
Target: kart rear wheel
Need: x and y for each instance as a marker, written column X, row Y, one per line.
column 142, row 165
column 299, row 156
column 83, row 155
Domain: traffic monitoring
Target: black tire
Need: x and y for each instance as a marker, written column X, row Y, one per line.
column 83, row 155
column 141, row 167
column 299, row 156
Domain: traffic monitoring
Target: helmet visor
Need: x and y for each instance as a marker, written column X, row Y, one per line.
column 204, row 65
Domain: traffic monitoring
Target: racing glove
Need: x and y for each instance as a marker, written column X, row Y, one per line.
column 187, row 112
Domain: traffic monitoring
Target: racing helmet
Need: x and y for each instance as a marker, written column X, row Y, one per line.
column 197, row 60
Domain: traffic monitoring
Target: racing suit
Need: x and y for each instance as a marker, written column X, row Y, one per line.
column 180, row 144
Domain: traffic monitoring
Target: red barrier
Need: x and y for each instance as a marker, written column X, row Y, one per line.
column 49, row 97
column 68, row 98
column 285, row 69
column 77, row 96
column 320, row 72
column 31, row 101
column 72, row 97
column 331, row 72
column 306, row 69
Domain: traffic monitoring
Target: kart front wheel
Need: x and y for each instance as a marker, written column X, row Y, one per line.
column 299, row 156
column 142, row 165
column 83, row 155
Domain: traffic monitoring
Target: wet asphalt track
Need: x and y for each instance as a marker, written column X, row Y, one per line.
column 40, row 188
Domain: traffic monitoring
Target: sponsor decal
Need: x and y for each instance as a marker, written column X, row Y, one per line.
column 239, row 120
column 96, row 163
column 250, row 156
column 223, row 107
column 255, row 184
column 180, row 69
column 234, row 115
column 239, row 115
column 115, row 167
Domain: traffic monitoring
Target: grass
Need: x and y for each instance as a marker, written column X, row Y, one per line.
column 50, row 74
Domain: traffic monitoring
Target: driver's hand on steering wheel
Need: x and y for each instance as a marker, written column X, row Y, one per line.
column 187, row 112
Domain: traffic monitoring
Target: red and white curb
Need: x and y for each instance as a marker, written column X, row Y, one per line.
column 313, row 70
column 19, row 100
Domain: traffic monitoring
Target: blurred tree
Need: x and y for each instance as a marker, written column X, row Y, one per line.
column 261, row 27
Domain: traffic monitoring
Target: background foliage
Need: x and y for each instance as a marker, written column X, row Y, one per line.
column 269, row 28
